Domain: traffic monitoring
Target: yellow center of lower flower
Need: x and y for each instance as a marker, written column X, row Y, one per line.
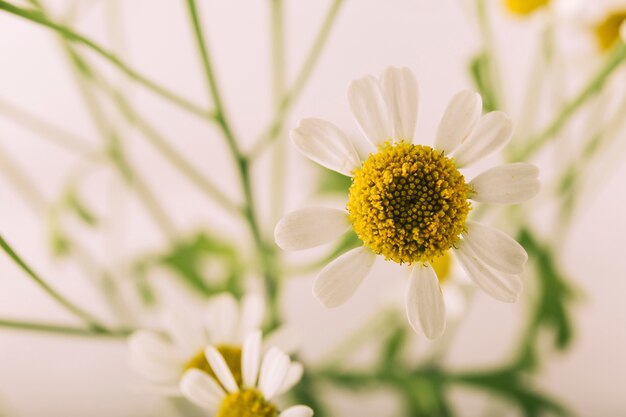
column 408, row 203
column 246, row 403
column 442, row 265
column 607, row 31
column 524, row 7
column 232, row 356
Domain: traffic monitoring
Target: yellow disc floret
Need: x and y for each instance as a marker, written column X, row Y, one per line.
column 232, row 356
column 408, row 202
column 246, row 403
column 607, row 31
column 524, row 7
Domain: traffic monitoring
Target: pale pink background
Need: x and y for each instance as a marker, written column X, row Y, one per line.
column 48, row 376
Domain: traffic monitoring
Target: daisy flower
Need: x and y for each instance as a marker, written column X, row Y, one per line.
column 409, row 203
column 163, row 357
column 226, row 396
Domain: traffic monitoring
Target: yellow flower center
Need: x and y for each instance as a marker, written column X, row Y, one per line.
column 524, row 7
column 408, row 202
column 246, row 403
column 442, row 265
column 232, row 356
column 607, row 31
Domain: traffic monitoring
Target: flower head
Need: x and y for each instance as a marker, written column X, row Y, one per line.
column 525, row 7
column 608, row 29
column 409, row 202
column 163, row 360
column 225, row 396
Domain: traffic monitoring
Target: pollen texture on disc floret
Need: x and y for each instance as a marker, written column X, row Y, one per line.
column 408, row 202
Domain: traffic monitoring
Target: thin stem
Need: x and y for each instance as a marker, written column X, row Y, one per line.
column 69, row 306
column 277, row 174
column 64, row 330
column 589, row 90
column 294, row 91
column 264, row 252
column 171, row 154
column 56, row 134
column 490, row 49
column 27, row 188
column 40, row 18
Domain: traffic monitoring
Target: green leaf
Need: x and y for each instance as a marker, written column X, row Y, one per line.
column 511, row 384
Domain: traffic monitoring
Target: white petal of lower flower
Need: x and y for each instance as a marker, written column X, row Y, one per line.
column 370, row 109
column 500, row 285
column 251, row 316
column 495, row 248
column 250, row 359
column 222, row 318
column 425, row 307
column 492, row 132
column 297, row 411
column 287, row 338
column 310, row 227
column 201, row 389
column 221, row 369
column 155, row 370
column 273, row 372
column 506, row 184
column 326, row 144
column 340, row 279
column 185, row 330
column 460, row 117
column 151, row 345
column 400, row 88
column 294, row 375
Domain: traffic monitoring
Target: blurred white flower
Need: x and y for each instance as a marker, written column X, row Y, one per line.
column 226, row 394
column 163, row 358
column 409, row 203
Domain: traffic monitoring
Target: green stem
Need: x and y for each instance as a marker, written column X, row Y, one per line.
column 292, row 94
column 264, row 252
column 64, row 330
column 40, row 18
column 569, row 109
column 172, row 155
column 77, row 311
column 494, row 78
column 55, row 134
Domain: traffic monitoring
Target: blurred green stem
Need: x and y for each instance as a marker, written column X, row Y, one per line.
column 64, row 330
column 39, row 17
column 489, row 47
column 596, row 84
column 264, row 251
column 294, row 91
column 68, row 305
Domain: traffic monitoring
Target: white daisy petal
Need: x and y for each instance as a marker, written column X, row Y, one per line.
column 492, row 132
column 340, row 279
column 370, row 109
column 185, row 330
column 424, row 302
column 221, row 369
column 287, row 338
column 460, row 117
column 151, row 345
column 400, row 88
column 273, row 372
column 506, row 184
column 326, row 144
column 294, row 375
column 310, row 227
column 495, row 248
column 251, row 316
column 155, row 370
column 222, row 318
column 251, row 358
column 500, row 285
column 297, row 411
column 199, row 388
